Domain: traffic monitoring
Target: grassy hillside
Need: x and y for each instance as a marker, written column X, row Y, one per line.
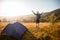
column 45, row 31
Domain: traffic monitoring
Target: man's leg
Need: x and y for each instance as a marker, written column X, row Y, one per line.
column 37, row 23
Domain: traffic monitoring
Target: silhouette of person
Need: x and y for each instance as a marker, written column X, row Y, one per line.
column 38, row 15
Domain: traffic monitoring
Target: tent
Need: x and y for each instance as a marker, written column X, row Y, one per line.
column 15, row 30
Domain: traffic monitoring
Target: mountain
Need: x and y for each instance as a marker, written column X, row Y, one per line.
column 57, row 13
column 32, row 17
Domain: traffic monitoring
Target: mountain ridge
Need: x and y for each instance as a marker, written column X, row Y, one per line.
column 31, row 17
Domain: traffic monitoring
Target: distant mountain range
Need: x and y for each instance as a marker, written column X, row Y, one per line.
column 31, row 17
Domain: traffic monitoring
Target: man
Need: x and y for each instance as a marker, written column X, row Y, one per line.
column 38, row 15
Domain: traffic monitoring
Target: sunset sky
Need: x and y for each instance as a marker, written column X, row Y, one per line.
column 24, row 7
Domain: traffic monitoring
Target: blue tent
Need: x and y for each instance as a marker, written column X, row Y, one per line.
column 14, row 30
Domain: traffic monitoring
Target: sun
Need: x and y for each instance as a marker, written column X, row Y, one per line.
column 14, row 8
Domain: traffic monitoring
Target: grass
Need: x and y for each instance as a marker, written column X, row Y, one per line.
column 45, row 31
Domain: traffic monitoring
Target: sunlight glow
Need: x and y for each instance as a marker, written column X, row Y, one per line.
column 25, row 7
column 14, row 9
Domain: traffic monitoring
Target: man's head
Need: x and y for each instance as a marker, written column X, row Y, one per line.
column 37, row 12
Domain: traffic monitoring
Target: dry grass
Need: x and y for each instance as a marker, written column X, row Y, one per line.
column 2, row 25
column 45, row 31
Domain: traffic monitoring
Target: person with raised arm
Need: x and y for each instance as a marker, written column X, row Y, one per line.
column 38, row 15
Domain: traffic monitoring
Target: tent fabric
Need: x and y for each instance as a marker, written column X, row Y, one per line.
column 14, row 30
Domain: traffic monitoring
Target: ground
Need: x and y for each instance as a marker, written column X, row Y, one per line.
column 45, row 31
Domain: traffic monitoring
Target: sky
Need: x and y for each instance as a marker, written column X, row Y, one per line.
column 25, row 7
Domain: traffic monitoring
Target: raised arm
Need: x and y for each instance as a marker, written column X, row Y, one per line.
column 33, row 12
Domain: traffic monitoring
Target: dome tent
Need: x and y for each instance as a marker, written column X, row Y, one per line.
column 15, row 30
